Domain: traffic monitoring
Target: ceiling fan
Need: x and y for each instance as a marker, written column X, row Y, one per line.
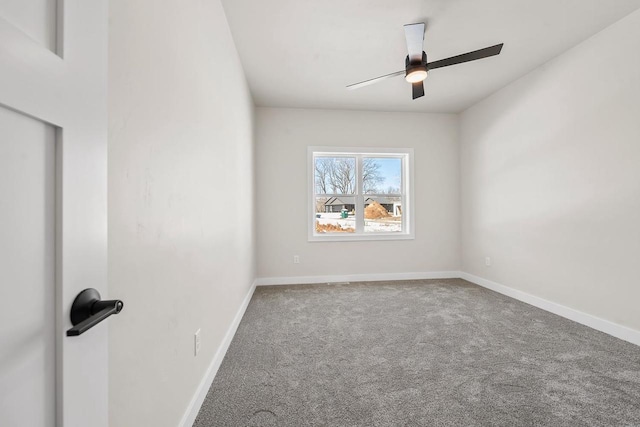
column 416, row 65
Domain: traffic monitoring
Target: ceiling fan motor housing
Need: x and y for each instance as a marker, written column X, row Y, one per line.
column 416, row 67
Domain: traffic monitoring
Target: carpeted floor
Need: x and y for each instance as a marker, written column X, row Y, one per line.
column 419, row 353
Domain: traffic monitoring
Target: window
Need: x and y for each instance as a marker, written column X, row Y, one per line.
column 359, row 194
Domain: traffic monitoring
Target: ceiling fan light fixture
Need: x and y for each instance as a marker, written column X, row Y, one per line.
column 416, row 65
column 416, row 75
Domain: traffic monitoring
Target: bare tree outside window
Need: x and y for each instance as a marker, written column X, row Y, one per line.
column 323, row 167
column 371, row 175
column 359, row 194
column 337, row 175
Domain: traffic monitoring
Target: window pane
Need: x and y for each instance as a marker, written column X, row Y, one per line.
column 383, row 214
column 335, row 175
column 382, row 175
column 335, row 215
column 373, row 180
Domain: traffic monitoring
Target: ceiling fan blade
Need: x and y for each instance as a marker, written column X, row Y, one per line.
column 466, row 57
column 375, row 80
column 414, row 34
column 417, row 89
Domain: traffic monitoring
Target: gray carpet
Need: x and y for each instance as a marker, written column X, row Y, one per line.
column 419, row 353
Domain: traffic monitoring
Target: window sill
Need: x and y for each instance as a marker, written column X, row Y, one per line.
column 359, row 237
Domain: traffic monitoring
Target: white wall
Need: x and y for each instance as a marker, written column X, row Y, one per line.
column 282, row 138
column 550, row 179
column 181, row 188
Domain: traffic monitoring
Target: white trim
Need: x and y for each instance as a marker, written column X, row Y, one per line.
column 355, row 237
column 623, row 332
column 619, row 331
column 203, row 388
column 407, row 194
column 305, row 280
column 602, row 325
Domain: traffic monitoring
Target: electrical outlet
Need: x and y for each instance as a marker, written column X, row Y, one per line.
column 196, row 343
column 487, row 261
column 296, row 259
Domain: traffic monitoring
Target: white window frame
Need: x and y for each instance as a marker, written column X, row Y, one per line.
column 406, row 154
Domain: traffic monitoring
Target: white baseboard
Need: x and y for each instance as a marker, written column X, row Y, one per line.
column 303, row 280
column 203, row 388
column 614, row 329
column 602, row 325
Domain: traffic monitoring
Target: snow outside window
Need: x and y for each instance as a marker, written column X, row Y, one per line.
column 360, row 194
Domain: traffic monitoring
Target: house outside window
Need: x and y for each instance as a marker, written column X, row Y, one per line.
column 360, row 194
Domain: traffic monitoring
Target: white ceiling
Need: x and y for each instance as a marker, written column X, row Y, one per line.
column 302, row 53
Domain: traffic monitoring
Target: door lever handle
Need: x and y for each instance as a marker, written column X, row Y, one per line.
column 88, row 310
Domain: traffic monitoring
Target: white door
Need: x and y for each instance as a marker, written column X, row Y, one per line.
column 53, row 212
